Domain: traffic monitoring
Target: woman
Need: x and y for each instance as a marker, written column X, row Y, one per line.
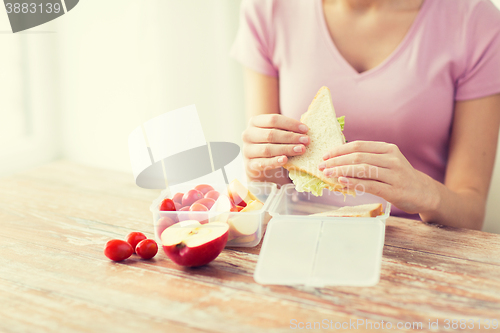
column 418, row 82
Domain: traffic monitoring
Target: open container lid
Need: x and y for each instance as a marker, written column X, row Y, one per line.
column 320, row 251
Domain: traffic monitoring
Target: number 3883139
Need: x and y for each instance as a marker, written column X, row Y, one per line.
column 32, row 8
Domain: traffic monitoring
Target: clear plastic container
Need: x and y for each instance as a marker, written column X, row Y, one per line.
column 245, row 229
column 317, row 251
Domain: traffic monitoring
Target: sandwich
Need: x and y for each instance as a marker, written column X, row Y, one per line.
column 325, row 132
column 368, row 210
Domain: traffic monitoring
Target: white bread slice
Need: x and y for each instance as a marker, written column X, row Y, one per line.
column 368, row 210
column 324, row 133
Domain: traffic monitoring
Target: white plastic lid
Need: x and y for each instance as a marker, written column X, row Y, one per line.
column 321, row 252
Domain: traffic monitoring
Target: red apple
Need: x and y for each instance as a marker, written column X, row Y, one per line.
column 192, row 244
column 212, row 195
column 204, row 188
column 190, row 197
column 162, row 224
column 239, row 194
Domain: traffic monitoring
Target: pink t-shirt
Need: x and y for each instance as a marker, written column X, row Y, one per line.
column 451, row 53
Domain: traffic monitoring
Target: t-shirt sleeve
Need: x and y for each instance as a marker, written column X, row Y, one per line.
column 481, row 75
column 253, row 46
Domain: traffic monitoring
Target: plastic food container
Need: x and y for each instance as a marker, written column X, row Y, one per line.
column 245, row 229
column 317, row 251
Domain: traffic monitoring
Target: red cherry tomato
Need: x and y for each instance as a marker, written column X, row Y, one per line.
column 178, row 205
column 198, row 207
column 178, row 198
column 134, row 238
column 167, row 205
column 118, row 250
column 207, row 202
column 201, row 217
column 190, row 197
column 204, row 188
column 147, row 249
column 183, row 216
column 212, row 195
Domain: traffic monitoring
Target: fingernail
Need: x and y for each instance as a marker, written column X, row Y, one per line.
column 327, row 172
column 321, row 166
column 303, row 139
column 343, row 180
column 303, row 128
column 297, row 149
column 281, row 159
column 326, row 156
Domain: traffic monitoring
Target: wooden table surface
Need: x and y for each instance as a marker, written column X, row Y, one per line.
column 54, row 276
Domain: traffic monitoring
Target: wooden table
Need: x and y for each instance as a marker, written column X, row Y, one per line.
column 54, row 276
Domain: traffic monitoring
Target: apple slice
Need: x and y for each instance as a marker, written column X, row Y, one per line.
column 245, row 225
column 190, row 243
column 221, row 208
column 222, row 204
column 239, row 194
column 253, row 205
column 239, row 241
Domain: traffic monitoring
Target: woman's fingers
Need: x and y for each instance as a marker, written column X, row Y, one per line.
column 377, row 188
column 272, row 135
column 278, row 121
column 363, row 160
column 270, row 138
column 372, row 147
column 271, row 150
column 378, row 168
column 379, row 160
column 261, row 164
column 360, row 171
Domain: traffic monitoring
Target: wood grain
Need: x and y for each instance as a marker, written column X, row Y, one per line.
column 54, row 277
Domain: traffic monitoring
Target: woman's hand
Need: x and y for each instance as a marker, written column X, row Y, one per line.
column 269, row 139
column 381, row 169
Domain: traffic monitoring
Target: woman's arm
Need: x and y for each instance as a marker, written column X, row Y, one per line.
column 461, row 201
column 380, row 168
column 261, row 94
column 270, row 137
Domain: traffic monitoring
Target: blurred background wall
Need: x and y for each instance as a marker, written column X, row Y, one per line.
column 138, row 59
column 74, row 88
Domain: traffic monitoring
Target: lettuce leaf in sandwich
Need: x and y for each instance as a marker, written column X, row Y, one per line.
column 305, row 182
